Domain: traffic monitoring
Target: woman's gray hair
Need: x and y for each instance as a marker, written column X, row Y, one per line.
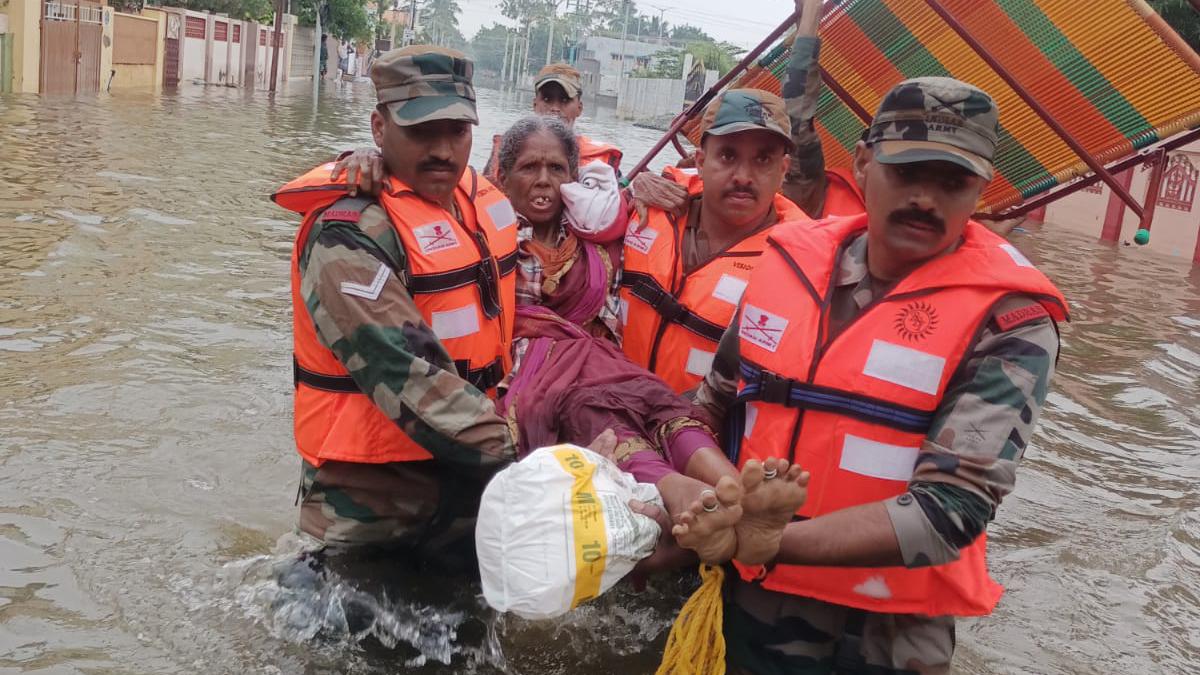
column 514, row 139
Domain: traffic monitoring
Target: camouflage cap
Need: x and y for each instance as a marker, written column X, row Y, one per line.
column 747, row 110
column 421, row 83
column 936, row 119
column 566, row 77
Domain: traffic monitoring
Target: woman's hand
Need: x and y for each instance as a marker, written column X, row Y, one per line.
column 650, row 190
column 364, row 171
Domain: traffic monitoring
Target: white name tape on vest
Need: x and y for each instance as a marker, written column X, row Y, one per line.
column 640, row 239
column 878, row 460
column 456, row 323
column 435, row 237
column 502, row 214
column 730, row 289
column 906, row 367
column 761, row 328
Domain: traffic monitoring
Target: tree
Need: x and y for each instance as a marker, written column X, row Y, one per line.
column 343, row 19
column 487, row 47
column 687, row 33
column 1182, row 17
column 439, row 23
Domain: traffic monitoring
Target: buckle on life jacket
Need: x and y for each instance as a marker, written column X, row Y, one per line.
column 774, row 388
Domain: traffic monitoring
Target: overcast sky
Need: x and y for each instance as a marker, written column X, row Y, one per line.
column 742, row 22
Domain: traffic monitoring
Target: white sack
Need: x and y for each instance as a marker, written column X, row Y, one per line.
column 556, row 530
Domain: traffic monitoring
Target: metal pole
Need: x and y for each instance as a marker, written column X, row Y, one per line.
column 550, row 38
column 78, row 49
column 1033, row 103
column 504, row 63
column 275, row 43
column 1156, row 174
column 702, row 102
column 624, row 33
column 1114, row 212
column 317, row 44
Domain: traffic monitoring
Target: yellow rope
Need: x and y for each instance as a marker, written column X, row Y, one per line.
column 696, row 645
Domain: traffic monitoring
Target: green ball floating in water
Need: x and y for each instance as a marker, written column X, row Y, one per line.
column 1142, row 237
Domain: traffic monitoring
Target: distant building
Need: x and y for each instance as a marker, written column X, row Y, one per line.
column 602, row 55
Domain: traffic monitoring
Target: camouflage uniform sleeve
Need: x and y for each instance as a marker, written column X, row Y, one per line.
column 378, row 333
column 805, row 180
column 968, row 461
column 718, row 391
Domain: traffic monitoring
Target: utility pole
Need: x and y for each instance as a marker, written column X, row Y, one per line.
column 279, row 5
column 624, row 33
column 504, row 65
column 550, row 37
column 317, row 44
column 411, row 34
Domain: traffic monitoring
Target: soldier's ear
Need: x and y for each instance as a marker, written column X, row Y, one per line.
column 378, row 122
column 863, row 156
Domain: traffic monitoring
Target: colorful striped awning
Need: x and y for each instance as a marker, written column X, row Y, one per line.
column 1110, row 71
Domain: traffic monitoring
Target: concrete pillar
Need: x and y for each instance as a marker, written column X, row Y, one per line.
column 24, row 23
column 210, row 27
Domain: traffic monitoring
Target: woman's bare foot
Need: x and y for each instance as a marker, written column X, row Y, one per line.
column 707, row 526
column 768, row 506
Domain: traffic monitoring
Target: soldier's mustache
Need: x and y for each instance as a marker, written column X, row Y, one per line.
column 748, row 191
column 435, row 165
column 916, row 216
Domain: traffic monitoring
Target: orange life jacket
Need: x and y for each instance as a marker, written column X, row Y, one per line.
column 674, row 320
column 461, row 277
column 842, row 194
column 589, row 152
column 853, row 409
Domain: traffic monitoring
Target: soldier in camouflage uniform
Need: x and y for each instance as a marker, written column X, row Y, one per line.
column 423, row 124
column 925, row 161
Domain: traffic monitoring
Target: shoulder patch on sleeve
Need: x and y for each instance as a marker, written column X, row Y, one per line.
column 1021, row 316
column 343, row 215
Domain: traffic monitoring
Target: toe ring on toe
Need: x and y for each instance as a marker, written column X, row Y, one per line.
column 768, row 475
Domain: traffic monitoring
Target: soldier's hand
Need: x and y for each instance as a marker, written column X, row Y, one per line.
column 808, row 17
column 668, row 554
column 364, row 171
column 650, row 190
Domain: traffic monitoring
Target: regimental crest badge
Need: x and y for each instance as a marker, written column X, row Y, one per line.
column 435, row 237
column 762, row 328
column 916, row 321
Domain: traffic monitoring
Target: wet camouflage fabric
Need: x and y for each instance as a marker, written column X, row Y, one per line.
column 393, row 354
column 768, row 633
column 967, row 463
column 805, row 182
column 403, row 507
column 746, row 110
column 938, row 110
column 421, row 83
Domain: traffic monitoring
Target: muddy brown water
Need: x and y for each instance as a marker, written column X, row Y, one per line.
column 147, row 472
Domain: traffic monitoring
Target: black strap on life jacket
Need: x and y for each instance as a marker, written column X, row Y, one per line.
column 768, row 387
column 338, row 384
column 646, row 288
column 483, row 378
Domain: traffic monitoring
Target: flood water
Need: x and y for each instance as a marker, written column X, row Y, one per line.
column 147, row 472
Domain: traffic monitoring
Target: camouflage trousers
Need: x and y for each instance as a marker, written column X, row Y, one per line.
column 769, row 633
column 405, row 507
